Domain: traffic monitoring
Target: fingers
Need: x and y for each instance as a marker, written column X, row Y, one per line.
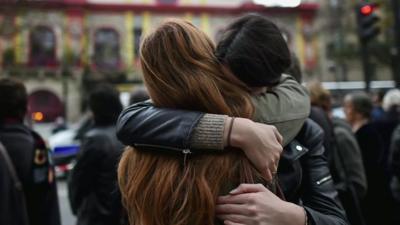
column 268, row 175
column 241, row 198
column 278, row 136
column 248, row 188
column 239, row 209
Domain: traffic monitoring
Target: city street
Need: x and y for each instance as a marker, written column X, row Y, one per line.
column 66, row 214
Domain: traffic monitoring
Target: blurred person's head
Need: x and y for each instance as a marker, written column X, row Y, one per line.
column 377, row 97
column 13, row 99
column 181, row 71
column 319, row 96
column 254, row 50
column 138, row 95
column 391, row 100
column 105, row 104
column 357, row 107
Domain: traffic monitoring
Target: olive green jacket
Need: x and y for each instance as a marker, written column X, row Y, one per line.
column 286, row 106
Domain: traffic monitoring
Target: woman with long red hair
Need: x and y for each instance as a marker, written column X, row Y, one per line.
column 181, row 71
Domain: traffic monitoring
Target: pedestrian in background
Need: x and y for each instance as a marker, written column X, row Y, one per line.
column 93, row 191
column 378, row 202
column 377, row 100
column 346, row 165
column 29, row 155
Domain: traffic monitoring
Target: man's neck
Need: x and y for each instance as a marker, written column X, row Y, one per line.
column 258, row 90
column 358, row 124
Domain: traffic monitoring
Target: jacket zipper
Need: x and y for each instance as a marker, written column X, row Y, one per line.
column 185, row 151
column 323, row 180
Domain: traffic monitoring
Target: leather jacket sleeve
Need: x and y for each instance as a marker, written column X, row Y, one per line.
column 143, row 126
column 319, row 197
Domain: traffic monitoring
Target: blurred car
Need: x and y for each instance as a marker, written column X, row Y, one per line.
column 65, row 145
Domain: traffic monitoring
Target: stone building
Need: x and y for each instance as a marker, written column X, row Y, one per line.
column 61, row 48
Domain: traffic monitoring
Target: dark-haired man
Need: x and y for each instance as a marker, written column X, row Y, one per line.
column 29, row 155
column 378, row 203
column 93, row 191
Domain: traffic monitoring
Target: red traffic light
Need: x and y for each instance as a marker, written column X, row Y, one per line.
column 366, row 10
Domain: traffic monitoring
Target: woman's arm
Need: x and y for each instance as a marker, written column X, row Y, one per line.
column 286, row 106
column 261, row 143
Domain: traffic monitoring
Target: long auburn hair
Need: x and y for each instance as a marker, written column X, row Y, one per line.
column 181, row 71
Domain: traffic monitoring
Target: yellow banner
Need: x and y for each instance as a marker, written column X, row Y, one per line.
column 146, row 22
column 129, row 39
column 18, row 48
column 85, row 41
column 67, row 38
column 205, row 23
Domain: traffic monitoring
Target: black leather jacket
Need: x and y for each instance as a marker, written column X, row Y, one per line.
column 303, row 171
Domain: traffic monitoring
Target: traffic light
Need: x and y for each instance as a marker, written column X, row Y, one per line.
column 367, row 21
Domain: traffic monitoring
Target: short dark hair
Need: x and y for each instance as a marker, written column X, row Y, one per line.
column 13, row 99
column 138, row 95
column 105, row 104
column 362, row 103
column 255, row 51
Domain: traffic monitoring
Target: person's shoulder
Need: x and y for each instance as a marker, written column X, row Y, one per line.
column 101, row 137
column 100, row 132
column 311, row 129
column 370, row 129
column 310, row 134
column 17, row 136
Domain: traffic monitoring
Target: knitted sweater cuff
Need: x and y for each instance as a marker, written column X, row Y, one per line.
column 209, row 132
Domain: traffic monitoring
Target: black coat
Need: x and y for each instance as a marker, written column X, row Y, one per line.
column 378, row 203
column 12, row 206
column 29, row 155
column 93, row 190
column 303, row 171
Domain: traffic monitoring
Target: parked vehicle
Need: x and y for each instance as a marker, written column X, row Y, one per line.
column 65, row 146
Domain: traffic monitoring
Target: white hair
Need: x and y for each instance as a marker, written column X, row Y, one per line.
column 392, row 98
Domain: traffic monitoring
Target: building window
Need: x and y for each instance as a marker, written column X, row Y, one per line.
column 167, row 2
column 106, row 49
column 42, row 47
column 137, row 34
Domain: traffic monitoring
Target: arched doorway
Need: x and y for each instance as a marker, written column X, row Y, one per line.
column 45, row 106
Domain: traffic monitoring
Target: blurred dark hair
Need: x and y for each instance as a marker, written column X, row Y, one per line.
column 105, row 104
column 138, row 95
column 295, row 69
column 254, row 49
column 362, row 103
column 13, row 99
